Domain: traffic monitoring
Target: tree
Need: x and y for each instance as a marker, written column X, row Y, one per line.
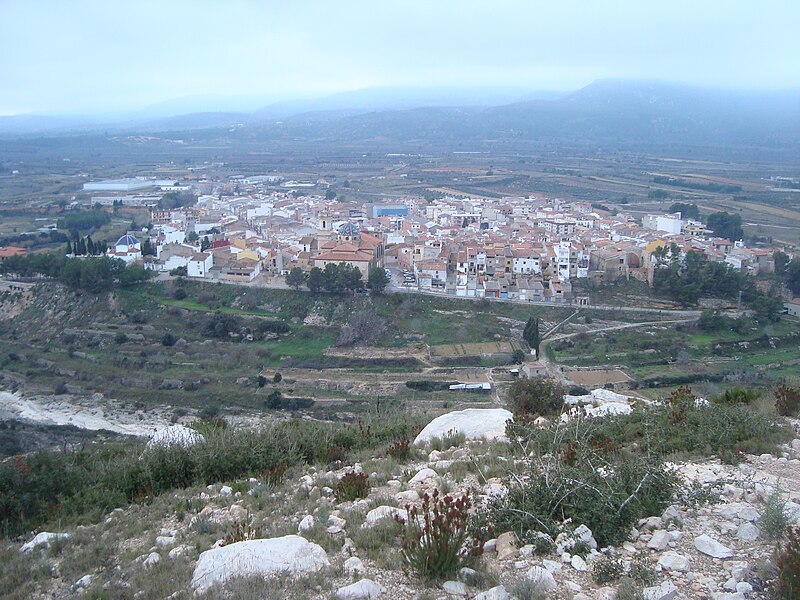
column 688, row 211
column 726, row 225
column 295, row 278
column 377, row 280
column 315, row 280
column 531, row 334
column 192, row 237
column 330, row 194
column 781, row 262
column 205, row 244
column 538, row 396
column 793, row 275
column 147, row 248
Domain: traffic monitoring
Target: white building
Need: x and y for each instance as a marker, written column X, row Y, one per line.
column 667, row 223
column 200, row 264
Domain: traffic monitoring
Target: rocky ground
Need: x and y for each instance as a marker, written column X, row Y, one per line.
column 251, row 539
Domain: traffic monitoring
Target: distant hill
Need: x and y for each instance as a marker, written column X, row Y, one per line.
column 619, row 114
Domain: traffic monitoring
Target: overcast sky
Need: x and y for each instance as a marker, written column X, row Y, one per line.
column 113, row 55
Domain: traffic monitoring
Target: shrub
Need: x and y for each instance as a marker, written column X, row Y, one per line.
column 352, row 486
column 437, row 541
column 774, row 520
column 787, row 400
column 399, row 449
column 607, row 570
column 450, row 439
column 168, row 339
column 628, row 590
column 641, row 572
column 180, row 294
column 787, row 584
column 737, row 395
column 262, row 381
column 538, row 396
column 120, row 337
column 277, row 377
column 241, row 532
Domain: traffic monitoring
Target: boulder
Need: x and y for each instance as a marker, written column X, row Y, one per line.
column 360, row 590
column 711, row 547
column 380, row 513
column 288, row 554
column 423, row 475
column 672, row 561
column 495, row 593
column 454, row 588
column 473, row 423
column 506, row 545
column 542, row 579
column 659, row 541
column 665, row 591
column 175, row 435
column 748, row 532
column 353, row 565
column 42, row 539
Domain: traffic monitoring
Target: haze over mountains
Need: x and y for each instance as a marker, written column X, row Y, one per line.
column 604, row 112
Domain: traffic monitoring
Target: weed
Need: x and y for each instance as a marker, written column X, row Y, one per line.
column 448, row 440
column 774, row 521
column 524, row 588
column 399, row 449
column 352, row 486
column 628, row 590
column 437, row 540
column 787, row 585
column 641, row 571
column 787, row 400
column 242, row 531
column 607, row 570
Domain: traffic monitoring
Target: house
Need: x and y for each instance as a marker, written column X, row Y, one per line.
column 127, row 248
column 200, row 264
column 792, row 307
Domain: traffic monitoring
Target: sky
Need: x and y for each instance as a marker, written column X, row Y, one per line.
column 112, row 56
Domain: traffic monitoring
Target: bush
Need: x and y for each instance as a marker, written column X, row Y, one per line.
column 737, row 395
column 428, row 385
column 774, row 521
column 352, row 486
column 607, row 570
column 399, row 449
column 437, row 541
column 538, row 396
column 277, row 378
column 180, row 294
column 787, row 584
column 787, row 400
column 168, row 339
column 120, row 337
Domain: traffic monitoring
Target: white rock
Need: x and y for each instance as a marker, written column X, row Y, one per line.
column 748, row 532
column 177, row 552
column 407, row 496
column 163, row 541
column 152, row 560
column 672, row 561
column 288, row 554
column 665, row 591
column 353, row 565
column 423, row 475
column 473, row 423
column 380, row 513
column 711, row 547
column 434, row 456
column 660, row 540
column 43, row 539
column 495, row 593
column 84, row 581
column 542, row 578
column 444, row 465
column 175, row 435
column 455, row 588
column 306, row 523
column 552, row 565
column 578, row 563
column 743, row 587
column 583, row 534
column 335, row 521
column 360, row 590
column 225, row 490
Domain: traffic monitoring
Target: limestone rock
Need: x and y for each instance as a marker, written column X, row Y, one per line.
column 384, row 512
column 672, row 561
column 711, row 547
column 506, row 545
column 665, row 591
column 366, row 589
column 43, row 539
column 288, row 554
column 423, row 475
column 306, row 523
column 175, row 435
column 659, row 541
column 455, row 588
column 353, row 565
column 748, row 532
column 495, row 593
column 542, row 579
column 474, row 423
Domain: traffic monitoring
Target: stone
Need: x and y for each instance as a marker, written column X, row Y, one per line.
column 353, row 565
column 306, row 523
column 542, row 579
column 380, row 513
column 506, row 545
column 290, row 554
column 84, row 582
column 225, row 490
column 407, row 496
column 578, row 563
column 175, row 435
column 583, row 534
column 711, row 547
column 365, row 589
column 665, row 591
column 743, row 587
column 490, row 546
column 238, row 512
column 423, row 475
column 496, row 593
column 660, row 540
column 748, row 532
column 334, row 521
column 178, row 551
column 672, row 561
column 473, row 423
column 43, row 539
column 163, row 541
column 552, row 565
column 152, row 560
column 455, row 588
